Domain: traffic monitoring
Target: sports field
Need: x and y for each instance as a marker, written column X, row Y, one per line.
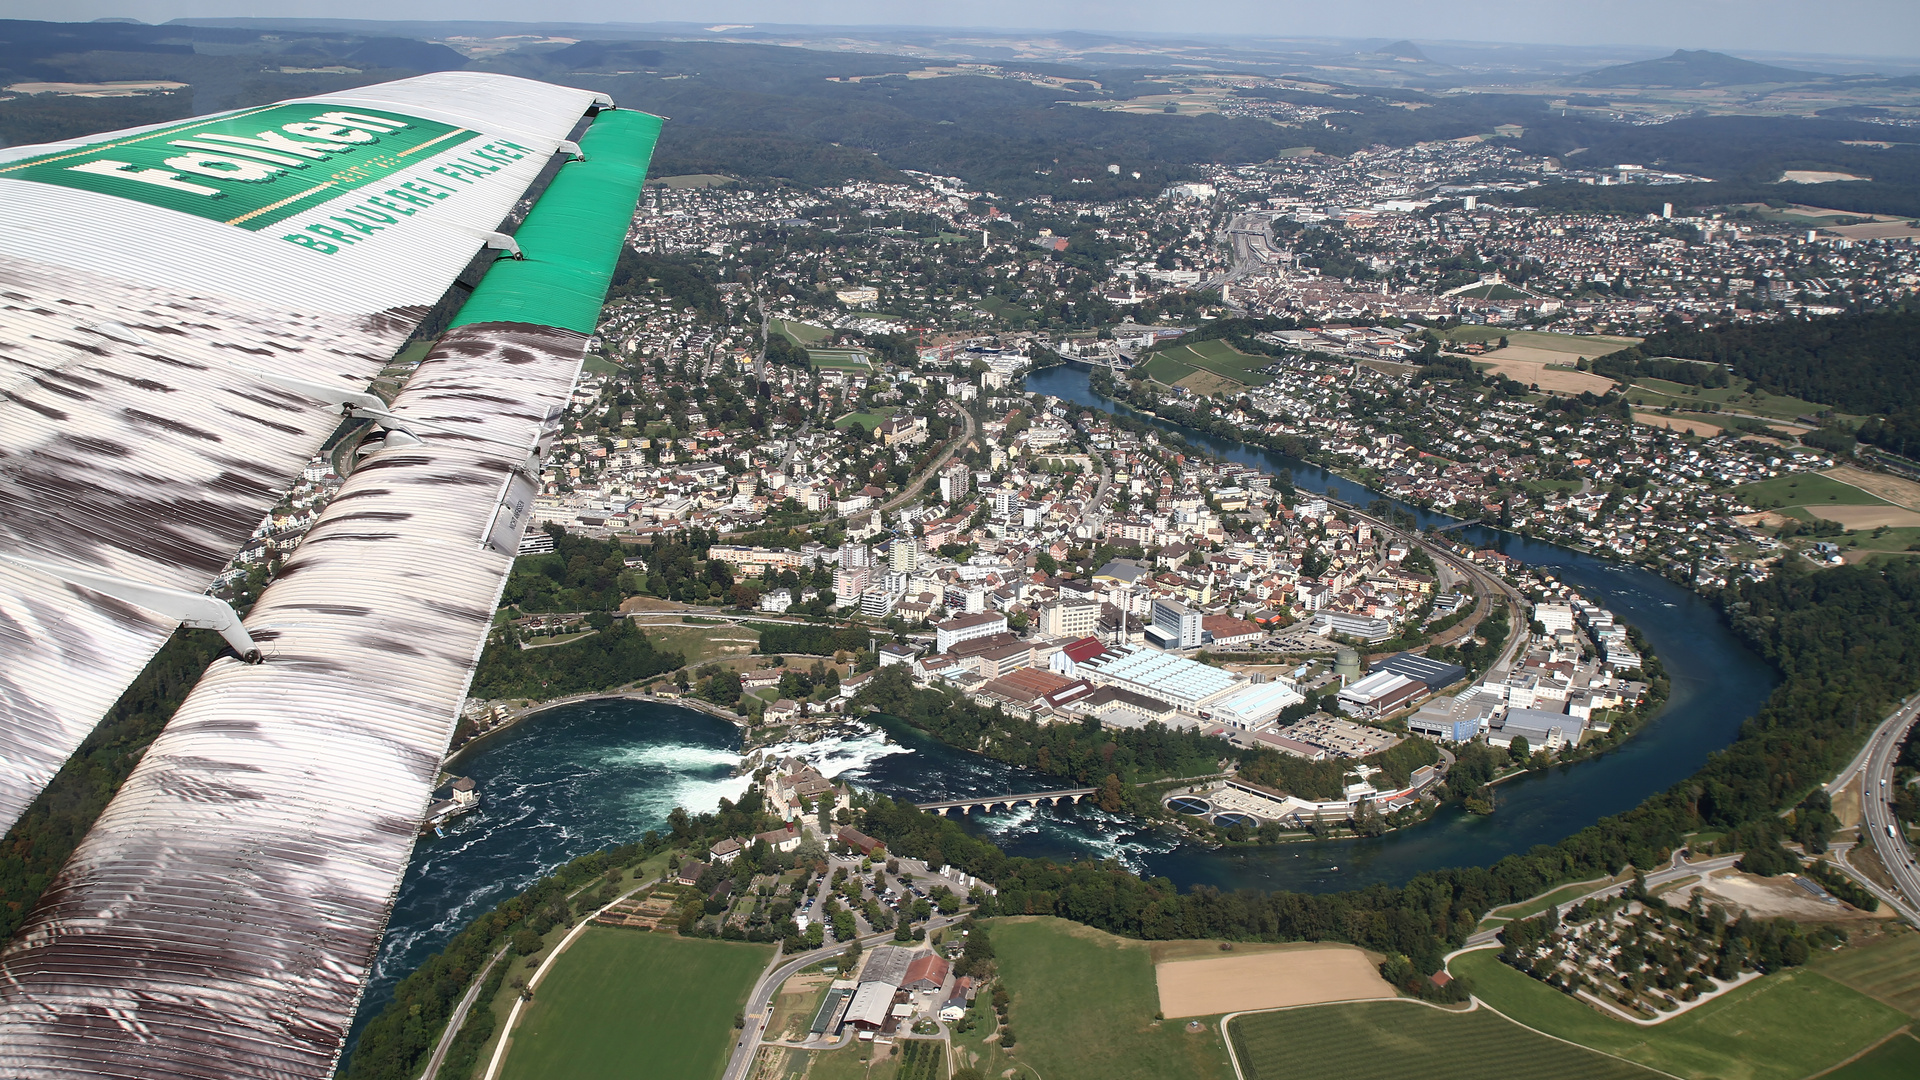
column 838, row 360
column 624, row 1003
column 1786, row 1026
column 1225, row 982
column 801, row 333
column 1083, row 1005
column 1373, row 1039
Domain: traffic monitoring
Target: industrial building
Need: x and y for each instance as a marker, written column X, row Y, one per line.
column 1254, row 706
column 1381, row 693
column 1436, row 674
column 1187, row 685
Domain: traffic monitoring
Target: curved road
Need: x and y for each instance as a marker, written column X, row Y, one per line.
column 1874, row 767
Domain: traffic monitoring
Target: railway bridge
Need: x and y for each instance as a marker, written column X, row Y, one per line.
column 990, row 803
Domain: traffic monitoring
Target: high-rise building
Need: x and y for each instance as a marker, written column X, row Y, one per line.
column 1175, row 625
column 855, row 556
column 903, row 556
column 1070, row 618
column 955, row 481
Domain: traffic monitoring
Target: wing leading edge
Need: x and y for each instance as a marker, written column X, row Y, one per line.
column 221, row 917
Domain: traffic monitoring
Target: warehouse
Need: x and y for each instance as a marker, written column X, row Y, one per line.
column 1436, row 674
column 1381, row 693
column 1255, row 706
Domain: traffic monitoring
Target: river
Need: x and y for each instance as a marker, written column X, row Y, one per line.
column 590, row 775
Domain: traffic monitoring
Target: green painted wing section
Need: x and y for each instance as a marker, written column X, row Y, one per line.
column 573, row 236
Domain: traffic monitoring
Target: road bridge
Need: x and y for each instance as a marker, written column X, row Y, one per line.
column 1457, row 525
column 990, row 803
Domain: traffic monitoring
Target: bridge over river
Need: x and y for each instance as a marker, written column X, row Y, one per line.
column 990, row 803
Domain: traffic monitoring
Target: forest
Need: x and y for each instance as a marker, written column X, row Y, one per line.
column 617, row 653
column 1863, row 362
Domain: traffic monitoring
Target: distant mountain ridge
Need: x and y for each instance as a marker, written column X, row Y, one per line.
column 1698, row 69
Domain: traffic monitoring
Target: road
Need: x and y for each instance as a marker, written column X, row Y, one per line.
column 1676, row 869
column 459, row 1017
column 747, row 1047
column 1874, row 766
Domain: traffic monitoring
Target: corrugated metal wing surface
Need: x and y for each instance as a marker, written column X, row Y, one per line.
column 220, row 918
column 137, row 436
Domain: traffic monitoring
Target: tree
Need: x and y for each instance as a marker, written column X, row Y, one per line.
column 1518, row 750
column 1112, row 798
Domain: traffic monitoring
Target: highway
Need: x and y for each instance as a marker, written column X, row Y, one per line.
column 1874, row 767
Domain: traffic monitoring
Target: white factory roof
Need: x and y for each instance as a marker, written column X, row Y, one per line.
column 1255, row 704
column 1175, row 676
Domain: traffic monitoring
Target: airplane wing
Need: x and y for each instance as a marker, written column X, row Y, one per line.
column 184, row 311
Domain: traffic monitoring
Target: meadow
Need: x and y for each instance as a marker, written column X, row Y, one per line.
column 1207, row 367
column 1786, row 1026
column 1083, row 1004
column 1812, row 490
column 1407, row 1038
column 622, row 1002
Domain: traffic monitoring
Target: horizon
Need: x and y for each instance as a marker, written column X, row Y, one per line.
column 1773, row 28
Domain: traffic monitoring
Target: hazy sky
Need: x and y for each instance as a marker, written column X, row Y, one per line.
column 1850, row 27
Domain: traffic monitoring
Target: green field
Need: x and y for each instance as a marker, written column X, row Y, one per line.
column 1404, row 1038
column 624, row 1003
column 702, row 644
column 1588, row 345
column 868, row 420
column 1782, row 1027
column 1738, row 396
column 801, row 333
column 1896, row 1059
column 1216, row 357
column 1083, row 1006
column 1812, row 490
column 1887, row 969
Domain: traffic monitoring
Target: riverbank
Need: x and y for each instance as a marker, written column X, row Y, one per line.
column 514, row 716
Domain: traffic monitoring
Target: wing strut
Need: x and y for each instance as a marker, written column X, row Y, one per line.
column 196, row 610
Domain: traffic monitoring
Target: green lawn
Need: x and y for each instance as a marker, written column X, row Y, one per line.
column 700, row 644
column 868, row 420
column 1403, row 1038
column 623, row 1003
column 1812, row 490
column 1083, row 1006
column 1782, row 1027
column 1896, row 1059
column 1588, row 345
column 1161, row 367
column 1218, row 357
column 1737, row 396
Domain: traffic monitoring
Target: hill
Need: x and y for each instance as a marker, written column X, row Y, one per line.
column 1691, row 70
